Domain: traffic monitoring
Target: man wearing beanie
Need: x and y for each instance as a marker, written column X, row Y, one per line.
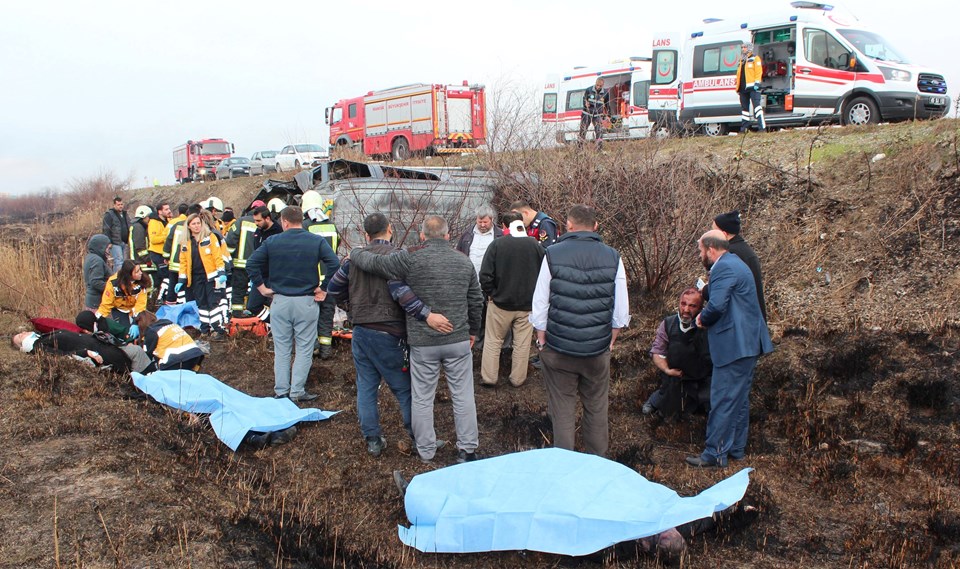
column 729, row 224
column 749, row 75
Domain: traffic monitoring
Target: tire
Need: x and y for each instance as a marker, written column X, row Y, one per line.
column 401, row 149
column 714, row 129
column 861, row 111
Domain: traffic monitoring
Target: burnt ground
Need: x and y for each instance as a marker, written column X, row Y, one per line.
column 854, row 436
column 853, row 442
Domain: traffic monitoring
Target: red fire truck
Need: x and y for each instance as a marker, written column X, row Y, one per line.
column 433, row 119
column 197, row 159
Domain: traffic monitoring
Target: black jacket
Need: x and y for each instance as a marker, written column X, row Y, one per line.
column 116, row 226
column 509, row 272
column 742, row 249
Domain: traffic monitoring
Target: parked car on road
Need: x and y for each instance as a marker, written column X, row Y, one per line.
column 233, row 167
column 263, row 162
column 296, row 156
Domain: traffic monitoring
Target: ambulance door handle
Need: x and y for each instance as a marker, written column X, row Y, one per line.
column 804, row 70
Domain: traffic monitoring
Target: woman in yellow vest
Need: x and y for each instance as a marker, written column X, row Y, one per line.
column 202, row 273
column 125, row 295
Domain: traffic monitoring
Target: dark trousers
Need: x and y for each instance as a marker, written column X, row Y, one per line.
column 678, row 395
column 566, row 377
column 585, row 120
column 208, row 303
column 729, row 418
column 328, row 308
column 240, row 283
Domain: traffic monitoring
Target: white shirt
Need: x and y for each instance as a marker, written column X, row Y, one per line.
column 541, row 299
column 479, row 246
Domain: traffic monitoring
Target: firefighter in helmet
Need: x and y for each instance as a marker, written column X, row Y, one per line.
column 138, row 241
column 316, row 220
column 240, row 243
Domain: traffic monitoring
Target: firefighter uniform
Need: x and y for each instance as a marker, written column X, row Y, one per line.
column 316, row 211
column 749, row 76
column 139, row 245
column 156, row 235
column 171, row 252
column 239, row 241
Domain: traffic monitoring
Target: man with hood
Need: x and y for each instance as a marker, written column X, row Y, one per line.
column 95, row 270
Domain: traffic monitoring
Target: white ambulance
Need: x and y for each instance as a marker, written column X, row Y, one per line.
column 818, row 66
column 627, row 82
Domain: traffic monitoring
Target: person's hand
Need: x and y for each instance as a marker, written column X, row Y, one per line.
column 178, row 287
column 439, row 323
column 95, row 357
column 319, row 294
column 473, row 339
column 134, row 332
column 699, row 324
column 222, row 280
column 673, row 372
column 265, row 291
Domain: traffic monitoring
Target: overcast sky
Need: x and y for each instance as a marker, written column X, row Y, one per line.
column 114, row 85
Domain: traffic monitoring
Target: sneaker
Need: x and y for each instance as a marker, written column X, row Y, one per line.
column 284, row 436
column 464, row 456
column 303, row 397
column 375, row 445
column 281, row 395
column 647, row 409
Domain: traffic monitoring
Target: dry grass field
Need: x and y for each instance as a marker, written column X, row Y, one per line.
column 854, row 433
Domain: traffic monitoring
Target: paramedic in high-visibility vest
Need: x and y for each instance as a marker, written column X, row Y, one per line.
column 316, row 220
column 749, row 75
column 596, row 102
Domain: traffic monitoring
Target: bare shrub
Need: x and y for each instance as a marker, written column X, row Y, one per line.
column 41, row 278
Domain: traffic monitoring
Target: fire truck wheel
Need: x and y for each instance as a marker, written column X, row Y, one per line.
column 401, row 149
column 861, row 111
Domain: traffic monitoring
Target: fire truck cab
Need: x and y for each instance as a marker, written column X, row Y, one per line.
column 818, row 66
column 198, row 159
column 627, row 82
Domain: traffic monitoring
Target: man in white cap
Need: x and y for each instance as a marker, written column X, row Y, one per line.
column 508, row 277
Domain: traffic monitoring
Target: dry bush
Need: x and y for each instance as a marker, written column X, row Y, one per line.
column 41, row 278
column 651, row 208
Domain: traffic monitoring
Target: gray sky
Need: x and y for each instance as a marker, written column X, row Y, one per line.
column 114, row 85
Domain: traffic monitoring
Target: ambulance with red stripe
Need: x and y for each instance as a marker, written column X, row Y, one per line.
column 818, row 66
column 627, row 82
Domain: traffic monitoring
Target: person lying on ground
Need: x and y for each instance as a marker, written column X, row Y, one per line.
column 84, row 347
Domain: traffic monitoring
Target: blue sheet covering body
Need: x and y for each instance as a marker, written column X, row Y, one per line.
column 549, row 500
column 185, row 315
column 232, row 413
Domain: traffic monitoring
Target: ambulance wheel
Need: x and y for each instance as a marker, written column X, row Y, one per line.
column 714, row 129
column 861, row 111
column 401, row 149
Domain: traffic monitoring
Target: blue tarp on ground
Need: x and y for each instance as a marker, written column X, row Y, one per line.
column 185, row 315
column 232, row 413
column 549, row 500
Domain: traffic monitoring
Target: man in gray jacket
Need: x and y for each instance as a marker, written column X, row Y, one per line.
column 446, row 281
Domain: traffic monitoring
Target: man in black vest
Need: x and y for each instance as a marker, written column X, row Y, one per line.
column 579, row 305
column 682, row 355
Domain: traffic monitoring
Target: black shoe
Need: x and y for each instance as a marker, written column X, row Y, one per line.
column 284, row 436
column 700, row 463
column 326, row 351
column 401, row 483
column 257, row 440
column 375, row 445
column 305, row 396
column 487, row 385
column 218, row 336
column 464, row 456
column 536, row 362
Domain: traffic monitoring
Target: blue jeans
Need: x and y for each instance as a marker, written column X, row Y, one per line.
column 379, row 355
column 116, row 251
column 729, row 418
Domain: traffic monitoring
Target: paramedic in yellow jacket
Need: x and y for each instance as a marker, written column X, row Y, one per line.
column 168, row 345
column 749, row 75
column 125, row 295
column 202, row 273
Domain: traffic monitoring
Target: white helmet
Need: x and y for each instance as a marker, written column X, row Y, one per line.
column 142, row 211
column 310, row 200
column 276, row 205
column 213, row 203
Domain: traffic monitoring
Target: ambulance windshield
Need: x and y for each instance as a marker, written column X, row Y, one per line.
column 873, row 46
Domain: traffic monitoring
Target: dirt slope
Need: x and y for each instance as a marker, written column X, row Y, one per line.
column 854, row 437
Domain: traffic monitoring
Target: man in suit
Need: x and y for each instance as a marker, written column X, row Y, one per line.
column 737, row 335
